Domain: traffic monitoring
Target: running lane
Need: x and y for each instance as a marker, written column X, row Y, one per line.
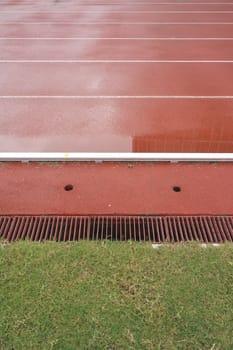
column 24, row 49
column 133, row 30
column 35, row 16
column 121, row 128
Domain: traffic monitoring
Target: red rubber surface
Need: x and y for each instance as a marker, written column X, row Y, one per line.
column 119, row 31
column 116, row 30
column 115, row 188
column 126, row 125
column 116, row 79
column 62, row 16
column 110, row 50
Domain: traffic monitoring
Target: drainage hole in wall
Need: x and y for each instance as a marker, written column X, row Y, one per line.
column 176, row 188
column 68, row 187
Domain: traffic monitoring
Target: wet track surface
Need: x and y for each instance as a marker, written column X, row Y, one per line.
column 118, row 76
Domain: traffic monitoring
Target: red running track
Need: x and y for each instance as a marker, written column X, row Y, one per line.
column 112, row 50
column 116, row 79
column 194, row 114
column 121, row 128
column 115, row 31
column 132, row 17
column 116, row 106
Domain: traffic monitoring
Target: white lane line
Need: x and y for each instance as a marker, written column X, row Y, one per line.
column 115, row 97
column 107, row 11
column 113, row 23
column 116, row 61
column 125, row 38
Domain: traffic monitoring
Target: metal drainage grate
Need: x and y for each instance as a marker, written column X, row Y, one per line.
column 138, row 228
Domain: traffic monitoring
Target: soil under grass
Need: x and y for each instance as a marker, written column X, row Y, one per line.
column 103, row 295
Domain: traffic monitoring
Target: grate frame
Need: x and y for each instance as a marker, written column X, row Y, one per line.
column 156, row 229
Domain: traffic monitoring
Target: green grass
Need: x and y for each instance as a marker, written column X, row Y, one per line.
column 93, row 295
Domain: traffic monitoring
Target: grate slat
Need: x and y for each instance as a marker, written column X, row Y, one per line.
column 229, row 224
column 220, row 228
column 11, row 228
column 166, row 230
column 217, row 237
column 226, row 229
column 157, row 229
column 5, row 228
column 172, row 230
